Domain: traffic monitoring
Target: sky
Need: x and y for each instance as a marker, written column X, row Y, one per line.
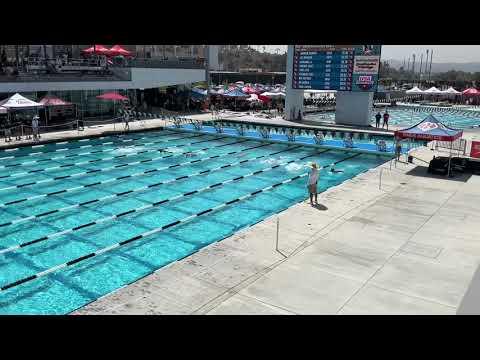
column 441, row 53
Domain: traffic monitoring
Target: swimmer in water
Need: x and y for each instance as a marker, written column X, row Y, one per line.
column 332, row 169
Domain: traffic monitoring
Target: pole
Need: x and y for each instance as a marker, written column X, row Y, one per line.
column 450, row 158
column 430, row 71
column 278, row 230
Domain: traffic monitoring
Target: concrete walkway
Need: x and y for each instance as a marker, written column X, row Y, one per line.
column 410, row 247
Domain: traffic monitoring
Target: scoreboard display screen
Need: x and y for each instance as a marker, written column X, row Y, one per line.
column 336, row 67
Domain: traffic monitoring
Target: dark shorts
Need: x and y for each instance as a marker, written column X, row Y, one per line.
column 312, row 188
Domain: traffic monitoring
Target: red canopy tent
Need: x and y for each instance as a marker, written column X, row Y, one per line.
column 471, row 92
column 112, row 96
column 97, row 50
column 264, row 99
column 50, row 101
column 117, row 50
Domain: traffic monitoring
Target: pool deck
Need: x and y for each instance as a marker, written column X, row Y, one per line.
column 410, row 247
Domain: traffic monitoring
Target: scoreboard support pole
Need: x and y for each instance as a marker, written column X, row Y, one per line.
column 354, row 108
column 293, row 97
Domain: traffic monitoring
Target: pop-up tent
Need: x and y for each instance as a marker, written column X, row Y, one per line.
column 430, row 129
column 471, row 92
column 433, row 91
column 50, row 101
column 451, row 91
column 414, row 91
column 97, row 50
column 18, row 101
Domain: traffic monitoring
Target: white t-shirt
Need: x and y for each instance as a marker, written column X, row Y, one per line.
column 313, row 177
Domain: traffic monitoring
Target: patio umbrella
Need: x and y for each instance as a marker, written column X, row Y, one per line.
column 249, row 90
column 112, row 96
column 471, row 92
column 97, row 50
column 49, row 101
column 117, row 50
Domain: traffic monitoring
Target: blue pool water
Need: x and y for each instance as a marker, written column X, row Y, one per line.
column 405, row 117
column 97, row 189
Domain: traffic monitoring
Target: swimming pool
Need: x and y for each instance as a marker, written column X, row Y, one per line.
column 81, row 219
column 458, row 119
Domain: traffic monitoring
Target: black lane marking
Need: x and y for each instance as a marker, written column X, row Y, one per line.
column 16, row 283
column 15, row 201
column 47, row 213
column 57, row 192
column 80, row 259
column 88, row 202
column 171, row 224
column 125, row 213
column 83, row 226
column 130, row 240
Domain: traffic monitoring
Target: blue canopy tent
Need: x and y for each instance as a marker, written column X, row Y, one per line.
column 430, row 129
column 236, row 94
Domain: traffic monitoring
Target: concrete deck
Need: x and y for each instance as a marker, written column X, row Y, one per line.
column 410, row 247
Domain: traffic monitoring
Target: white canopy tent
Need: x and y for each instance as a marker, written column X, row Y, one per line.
column 253, row 97
column 3, row 110
column 414, row 91
column 451, row 91
column 433, row 91
column 17, row 101
column 273, row 94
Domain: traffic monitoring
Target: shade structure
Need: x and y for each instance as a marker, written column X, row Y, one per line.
column 3, row 110
column 273, row 94
column 471, row 92
column 414, row 91
column 429, row 129
column 97, row 50
column 433, row 91
column 236, row 93
column 18, row 101
column 112, row 96
column 50, row 100
column 451, row 91
column 264, row 99
column 117, row 50
column 249, row 90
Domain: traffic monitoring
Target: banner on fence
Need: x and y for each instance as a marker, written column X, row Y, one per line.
column 475, row 150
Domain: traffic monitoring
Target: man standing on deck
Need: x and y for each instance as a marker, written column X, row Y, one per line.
column 312, row 183
column 377, row 119
column 386, row 116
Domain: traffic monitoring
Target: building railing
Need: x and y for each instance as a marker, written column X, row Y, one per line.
column 91, row 69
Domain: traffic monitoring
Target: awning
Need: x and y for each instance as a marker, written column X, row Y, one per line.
column 117, row 50
column 429, row 129
column 18, row 101
column 414, row 91
column 53, row 101
column 97, row 49
column 237, row 93
column 113, row 96
column 471, row 92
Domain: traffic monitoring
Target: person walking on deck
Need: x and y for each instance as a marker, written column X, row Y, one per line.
column 377, row 119
column 312, row 183
column 386, row 116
